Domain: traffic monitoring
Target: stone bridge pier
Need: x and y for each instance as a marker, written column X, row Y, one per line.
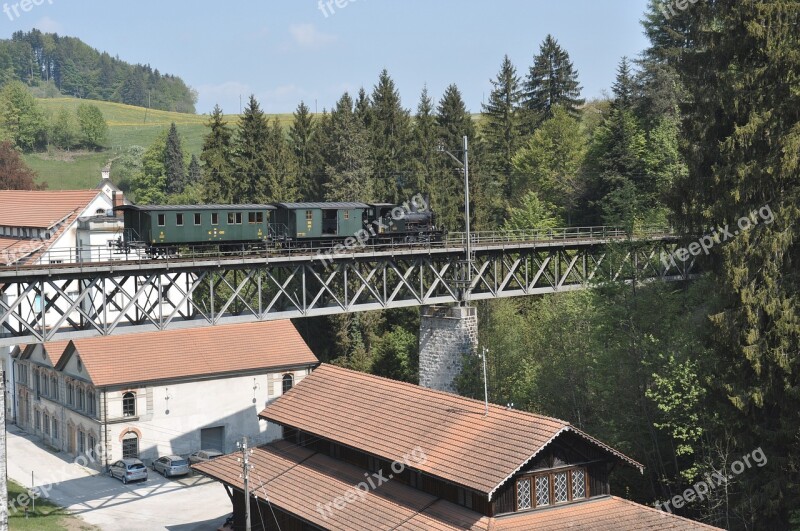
column 447, row 333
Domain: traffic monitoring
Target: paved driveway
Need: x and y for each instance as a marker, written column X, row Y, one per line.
column 186, row 504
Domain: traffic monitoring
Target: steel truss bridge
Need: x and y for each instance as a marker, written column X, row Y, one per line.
column 50, row 302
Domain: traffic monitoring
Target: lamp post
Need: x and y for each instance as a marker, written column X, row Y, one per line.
column 465, row 166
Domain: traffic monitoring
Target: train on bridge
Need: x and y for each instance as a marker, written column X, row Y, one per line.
column 163, row 230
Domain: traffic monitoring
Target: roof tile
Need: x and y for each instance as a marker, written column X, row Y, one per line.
column 41, row 209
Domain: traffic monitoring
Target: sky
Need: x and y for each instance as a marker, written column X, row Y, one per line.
column 285, row 51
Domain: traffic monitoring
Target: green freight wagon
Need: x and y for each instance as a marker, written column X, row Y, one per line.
column 320, row 222
column 175, row 225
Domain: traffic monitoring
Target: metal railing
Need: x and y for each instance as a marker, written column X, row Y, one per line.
column 95, row 255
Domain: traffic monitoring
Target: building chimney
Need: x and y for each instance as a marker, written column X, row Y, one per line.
column 106, row 173
column 116, row 201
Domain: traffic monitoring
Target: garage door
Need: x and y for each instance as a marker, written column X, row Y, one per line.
column 213, row 438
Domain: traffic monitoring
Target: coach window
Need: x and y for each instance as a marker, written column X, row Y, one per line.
column 238, row 218
column 309, row 216
column 251, row 218
column 214, row 218
column 259, row 217
column 346, row 214
column 198, row 219
column 231, row 218
column 162, row 220
column 179, row 219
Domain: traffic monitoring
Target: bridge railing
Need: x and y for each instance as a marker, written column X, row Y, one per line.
column 454, row 240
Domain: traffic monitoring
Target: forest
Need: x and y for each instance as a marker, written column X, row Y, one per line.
column 699, row 131
column 56, row 65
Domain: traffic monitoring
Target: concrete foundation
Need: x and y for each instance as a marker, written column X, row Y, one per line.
column 446, row 335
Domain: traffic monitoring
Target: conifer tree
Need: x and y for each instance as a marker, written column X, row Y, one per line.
column 195, row 174
column 552, row 81
column 348, row 158
column 427, row 163
column 502, row 124
column 218, row 171
column 173, row 162
column 250, row 155
column 390, row 127
column 304, row 143
column 738, row 62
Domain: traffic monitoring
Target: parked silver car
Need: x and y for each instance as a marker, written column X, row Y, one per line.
column 203, row 456
column 171, row 465
column 128, row 470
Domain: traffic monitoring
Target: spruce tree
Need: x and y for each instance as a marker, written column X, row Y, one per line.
column 390, row 127
column 173, row 162
column 502, row 124
column 303, row 141
column 348, row 157
column 218, row 171
column 552, row 80
column 195, row 174
column 251, row 164
column 426, row 162
column 624, row 86
column 280, row 180
column 738, row 62
column 453, row 123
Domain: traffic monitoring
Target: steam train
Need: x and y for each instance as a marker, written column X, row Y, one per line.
column 164, row 230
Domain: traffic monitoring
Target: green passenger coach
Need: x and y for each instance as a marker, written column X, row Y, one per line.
column 171, row 225
column 308, row 222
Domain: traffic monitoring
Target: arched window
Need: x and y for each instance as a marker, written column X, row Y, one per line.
column 130, row 446
column 288, row 382
column 129, row 405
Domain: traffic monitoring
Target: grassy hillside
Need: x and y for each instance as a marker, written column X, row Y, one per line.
column 128, row 126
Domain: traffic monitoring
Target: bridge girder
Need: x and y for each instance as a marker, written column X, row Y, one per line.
column 52, row 304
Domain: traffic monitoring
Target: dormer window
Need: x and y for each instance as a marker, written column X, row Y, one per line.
column 551, row 488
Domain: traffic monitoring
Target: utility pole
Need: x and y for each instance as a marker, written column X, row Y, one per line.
column 245, row 460
column 485, row 385
column 3, row 457
column 465, row 165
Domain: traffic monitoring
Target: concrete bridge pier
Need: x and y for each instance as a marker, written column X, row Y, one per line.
column 447, row 333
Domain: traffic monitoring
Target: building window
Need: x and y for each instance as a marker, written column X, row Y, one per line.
column 524, row 494
column 542, row 491
column 129, row 405
column 37, row 420
column 91, row 402
column 81, row 399
column 46, row 424
column 162, row 220
column 37, row 383
column 288, row 383
column 81, row 442
column 179, row 220
column 92, row 444
column 45, row 386
column 546, row 489
column 130, row 446
column 214, row 218
column 23, row 374
column 70, row 394
column 55, row 429
column 198, row 218
column 54, row 388
column 578, row 484
column 346, row 214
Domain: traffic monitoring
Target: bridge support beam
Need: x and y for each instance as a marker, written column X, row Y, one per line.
column 447, row 333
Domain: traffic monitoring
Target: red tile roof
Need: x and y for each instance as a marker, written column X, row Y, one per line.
column 389, row 419
column 13, row 250
column 41, row 209
column 178, row 354
column 54, row 350
column 306, row 484
column 599, row 514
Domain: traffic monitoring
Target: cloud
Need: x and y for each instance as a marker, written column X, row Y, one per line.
column 308, row 36
column 48, row 25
